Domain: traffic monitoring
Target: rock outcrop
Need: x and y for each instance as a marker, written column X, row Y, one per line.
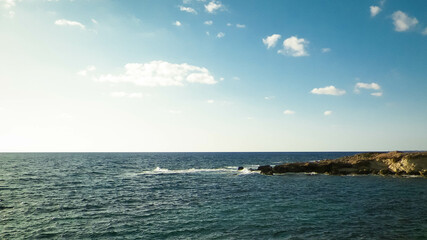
column 391, row 163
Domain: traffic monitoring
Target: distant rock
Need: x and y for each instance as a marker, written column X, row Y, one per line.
column 240, row 168
column 267, row 169
column 391, row 163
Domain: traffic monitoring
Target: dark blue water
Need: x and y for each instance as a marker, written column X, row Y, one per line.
column 200, row 196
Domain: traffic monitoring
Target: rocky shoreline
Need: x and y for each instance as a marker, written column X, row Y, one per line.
column 390, row 163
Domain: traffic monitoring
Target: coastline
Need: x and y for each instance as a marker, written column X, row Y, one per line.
column 377, row 163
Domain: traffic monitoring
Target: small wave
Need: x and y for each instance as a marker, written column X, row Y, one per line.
column 159, row 170
column 245, row 171
column 229, row 169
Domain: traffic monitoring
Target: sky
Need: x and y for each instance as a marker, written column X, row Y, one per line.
column 207, row 76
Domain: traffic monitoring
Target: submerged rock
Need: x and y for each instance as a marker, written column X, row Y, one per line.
column 391, row 163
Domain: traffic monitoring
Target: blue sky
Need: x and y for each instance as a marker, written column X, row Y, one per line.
column 209, row 75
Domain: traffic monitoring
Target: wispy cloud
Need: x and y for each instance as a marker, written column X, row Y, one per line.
column 160, row 73
column 11, row 14
column 374, row 10
column 85, row 71
column 213, row 6
column 271, row 41
column 288, row 112
column 269, row 97
column 8, row 3
column 210, row 101
column 94, row 21
column 126, row 95
column 240, row 25
column 187, row 9
column 377, row 94
column 208, row 22
column 220, row 35
column 295, row 47
column 424, row 32
column 177, row 23
column 326, row 50
column 327, row 113
column 329, row 90
column 402, row 22
column 65, row 22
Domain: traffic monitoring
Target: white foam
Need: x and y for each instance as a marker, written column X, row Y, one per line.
column 159, row 170
column 245, row 171
column 229, row 169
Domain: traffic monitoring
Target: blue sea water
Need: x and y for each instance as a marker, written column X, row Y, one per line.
column 200, row 196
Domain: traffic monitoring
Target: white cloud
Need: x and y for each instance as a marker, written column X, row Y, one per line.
column 240, row 25
column 94, row 21
column 229, row 24
column 221, row 79
column 424, row 32
column 360, row 85
column 329, row 90
column 220, row 35
column 294, row 47
column 160, row 73
column 269, row 97
column 126, row 95
column 327, row 113
column 402, row 22
column 210, row 101
column 374, row 10
column 177, row 23
column 288, row 112
column 208, row 22
column 86, row 70
column 11, row 14
column 213, row 6
column 236, row 78
column 187, row 9
column 377, row 94
column 8, row 3
column 270, row 41
column 208, row 33
column 65, row 22
column 326, row 50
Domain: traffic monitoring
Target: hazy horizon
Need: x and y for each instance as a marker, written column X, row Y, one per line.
column 213, row 76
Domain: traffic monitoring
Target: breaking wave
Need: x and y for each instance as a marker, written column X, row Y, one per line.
column 234, row 170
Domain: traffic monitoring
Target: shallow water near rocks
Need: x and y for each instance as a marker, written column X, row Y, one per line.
column 200, row 196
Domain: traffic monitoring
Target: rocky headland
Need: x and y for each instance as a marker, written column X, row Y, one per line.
column 391, row 163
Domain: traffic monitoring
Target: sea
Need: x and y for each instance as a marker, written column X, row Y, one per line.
column 200, row 196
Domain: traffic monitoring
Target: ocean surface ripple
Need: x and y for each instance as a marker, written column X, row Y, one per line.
column 200, row 196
